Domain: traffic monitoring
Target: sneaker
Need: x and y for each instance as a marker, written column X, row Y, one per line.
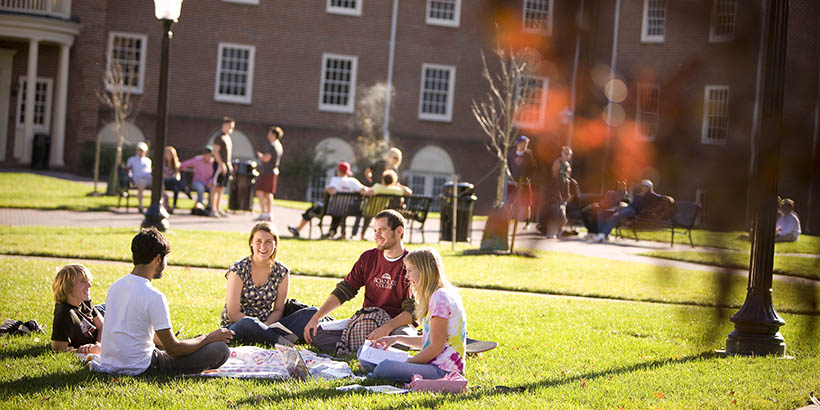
column 600, row 238
column 293, row 231
column 223, row 213
column 261, row 217
column 213, row 214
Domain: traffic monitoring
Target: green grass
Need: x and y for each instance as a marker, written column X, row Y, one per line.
column 554, row 352
column 787, row 265
column 550, row 272
column 729, row 240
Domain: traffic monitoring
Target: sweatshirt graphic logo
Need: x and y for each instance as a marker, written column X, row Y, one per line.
column 385, row 281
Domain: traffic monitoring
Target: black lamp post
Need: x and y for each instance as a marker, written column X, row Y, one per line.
column 167, row 12
column 757, row 323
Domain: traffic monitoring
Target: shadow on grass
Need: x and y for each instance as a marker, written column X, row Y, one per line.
column 476, row 393
column 54, row 381
column 25, row 352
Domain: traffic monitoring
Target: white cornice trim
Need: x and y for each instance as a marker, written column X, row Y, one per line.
column 40, row 28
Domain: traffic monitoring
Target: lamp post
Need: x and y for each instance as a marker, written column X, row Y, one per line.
column 167, row 12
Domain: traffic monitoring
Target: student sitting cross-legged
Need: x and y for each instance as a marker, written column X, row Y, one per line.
column 77, row 325
column 257, row 291
column 137, row 320
column 444, row 327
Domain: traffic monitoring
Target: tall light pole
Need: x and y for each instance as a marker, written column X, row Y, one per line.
column 167, row 12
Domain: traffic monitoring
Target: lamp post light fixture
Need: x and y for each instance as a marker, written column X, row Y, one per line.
column 167, row 12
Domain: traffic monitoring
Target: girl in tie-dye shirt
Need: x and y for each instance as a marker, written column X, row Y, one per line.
column 444, row 323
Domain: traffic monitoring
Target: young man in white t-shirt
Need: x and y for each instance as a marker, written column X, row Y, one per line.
column 138, row 319
column 342, row 182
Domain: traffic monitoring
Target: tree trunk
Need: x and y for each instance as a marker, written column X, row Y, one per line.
column 97, row 163
column 502, row 174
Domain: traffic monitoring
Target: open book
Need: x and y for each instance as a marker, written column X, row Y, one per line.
column 371, row 353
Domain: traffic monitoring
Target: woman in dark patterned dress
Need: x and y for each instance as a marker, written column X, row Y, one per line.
column 257, row 291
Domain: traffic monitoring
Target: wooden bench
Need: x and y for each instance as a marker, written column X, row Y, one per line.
column 679, row 218
column 416, row 208
column 340, row 204
column 125, row 186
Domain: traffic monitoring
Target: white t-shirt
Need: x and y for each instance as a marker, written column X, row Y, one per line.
column 345, row 184
column 788, row 224
column 134, row 310
column 140, row 166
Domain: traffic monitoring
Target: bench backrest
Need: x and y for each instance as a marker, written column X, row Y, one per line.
column 417, row 207
column 372, row 205
column 687, row 214
column 343, row 204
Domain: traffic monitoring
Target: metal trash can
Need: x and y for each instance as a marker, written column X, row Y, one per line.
column 242, row 185
column 464, row 212
column 40, row 151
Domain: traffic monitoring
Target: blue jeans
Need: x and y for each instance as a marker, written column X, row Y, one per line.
column 252, row 330
column 400, row 371
column 615, row 219
column 199, row 187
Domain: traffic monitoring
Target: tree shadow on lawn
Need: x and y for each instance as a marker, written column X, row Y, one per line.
column 25, row 352
column 54, row 381
column 476, row 393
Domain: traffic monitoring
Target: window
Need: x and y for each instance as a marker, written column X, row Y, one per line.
column 715, row 115
column 723, row 21
column 532, row 90
column 654, row 21
column 537, row 16
column 436, row 96
column 128, row 50
column 347, row 7
column 647, row 111
column 444, row 12
column 242, row 1
column 338, row 85
column 234, row 73
column 42, row 104
column 429, row 184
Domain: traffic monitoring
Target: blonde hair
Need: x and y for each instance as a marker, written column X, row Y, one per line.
column 397, row 152
column 64, row 281
column 427, row 262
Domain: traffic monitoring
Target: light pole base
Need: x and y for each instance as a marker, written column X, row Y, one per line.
column 156, row 216
column 747, row 344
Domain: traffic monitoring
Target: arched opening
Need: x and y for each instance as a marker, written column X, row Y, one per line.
column 242, row 146
column 430, row 168
column 328, row 151
column 133, row 135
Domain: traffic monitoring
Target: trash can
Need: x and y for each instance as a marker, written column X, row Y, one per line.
column 242, row 185
column 464, row 212
column 41, row 147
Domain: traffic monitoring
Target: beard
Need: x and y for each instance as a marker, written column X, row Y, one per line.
column 158, row 272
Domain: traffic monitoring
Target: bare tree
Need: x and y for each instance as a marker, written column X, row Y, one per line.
column 368, row 121
column 116, row 95
column 498, row 113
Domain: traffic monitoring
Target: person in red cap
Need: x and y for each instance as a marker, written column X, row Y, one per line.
column 342, row 182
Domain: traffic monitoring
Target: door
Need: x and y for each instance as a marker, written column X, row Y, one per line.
column 6, row 59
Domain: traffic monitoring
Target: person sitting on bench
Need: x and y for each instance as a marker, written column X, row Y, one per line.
column 645, row 200
column 203, row 167
column 788, row 225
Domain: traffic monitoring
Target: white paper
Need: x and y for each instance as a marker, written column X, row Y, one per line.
column 375, row 355
column 334, row 324
column 374, row 389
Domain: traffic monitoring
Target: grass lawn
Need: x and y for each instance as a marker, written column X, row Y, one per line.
column 550, row 272
column 788, row 265
column 554, row 352
column 729, row 240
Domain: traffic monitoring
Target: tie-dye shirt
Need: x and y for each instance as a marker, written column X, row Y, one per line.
column 446, row 303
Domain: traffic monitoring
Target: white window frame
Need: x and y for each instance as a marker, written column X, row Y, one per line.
column 143, row 47
column 645, row 36
column 448, row 116
column 542, row 102
column 455, row 22
column 356, row 11
column 241, row 99
column 706, row 117
column 351, row 101
column 548, row 30
column 639, row 112
column 250, row 2
column 46, row 126
column 429, row 188
column 723, row 38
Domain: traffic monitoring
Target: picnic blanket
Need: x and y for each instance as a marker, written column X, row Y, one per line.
column 252, row 362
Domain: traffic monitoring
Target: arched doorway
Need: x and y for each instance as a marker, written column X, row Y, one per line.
column 329, row 151
column 242, row 147
column 133, row 135
column 430, row 168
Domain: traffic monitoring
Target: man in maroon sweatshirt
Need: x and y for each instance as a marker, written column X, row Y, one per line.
column 381, row 271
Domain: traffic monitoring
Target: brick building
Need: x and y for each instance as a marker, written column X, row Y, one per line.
column 683, row 109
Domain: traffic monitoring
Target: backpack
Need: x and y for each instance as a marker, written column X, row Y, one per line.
column 363, row 322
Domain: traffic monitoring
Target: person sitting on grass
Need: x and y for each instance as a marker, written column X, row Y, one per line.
column 444, row 327
column 342, row 182
column 140, row 167
column 257, row 291
column 138, row 321
column 787, row 228
column 77, row 325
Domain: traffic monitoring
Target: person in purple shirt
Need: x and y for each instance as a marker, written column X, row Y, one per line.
column 203, row 167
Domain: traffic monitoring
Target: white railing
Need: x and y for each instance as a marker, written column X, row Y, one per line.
column 56, row 8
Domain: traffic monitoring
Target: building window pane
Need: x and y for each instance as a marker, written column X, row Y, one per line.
column 648, row 110
column 716, row 115
column 234, row 74
column 532, row 92
column 444, row 12
column 436, row 97
column 42, row 103
column 128, row 52
column 723, row 20
column 654, row 21
column 347, row 7
column 338, row 83
column 537, row 16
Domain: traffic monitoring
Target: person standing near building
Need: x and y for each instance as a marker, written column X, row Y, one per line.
column 223, row 169
column 269, row 172
column 521, row 164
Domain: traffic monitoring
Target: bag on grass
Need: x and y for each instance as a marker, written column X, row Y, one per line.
column 363, row 322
